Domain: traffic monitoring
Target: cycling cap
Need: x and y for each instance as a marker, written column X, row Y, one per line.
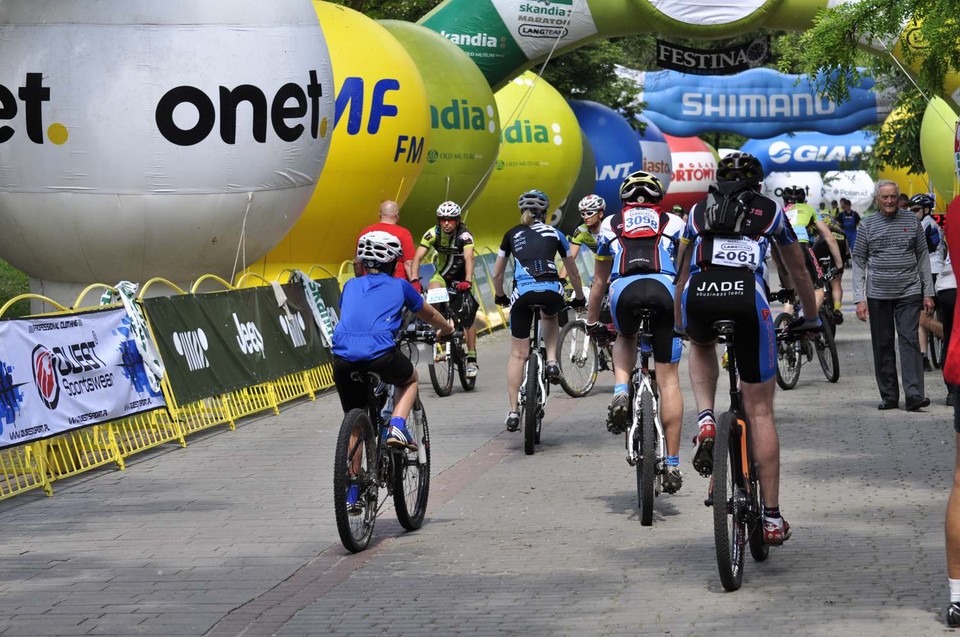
column 591, row 205
column 641, row 187
column 923, row 201
column 536, row 201
column 739, row 166
column 794, row 194
column 377, row 248
column 448, row 210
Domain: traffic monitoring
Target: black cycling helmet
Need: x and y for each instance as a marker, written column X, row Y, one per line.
column 794, row 194
column 534, row 201
column 641, row 187
column 742, row 167
column 922, row 200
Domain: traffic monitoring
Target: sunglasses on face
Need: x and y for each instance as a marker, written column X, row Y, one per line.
column 916, row 209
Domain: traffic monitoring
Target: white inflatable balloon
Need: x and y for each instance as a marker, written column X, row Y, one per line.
column 142, row 138
column 855, row 185
column 775, row 182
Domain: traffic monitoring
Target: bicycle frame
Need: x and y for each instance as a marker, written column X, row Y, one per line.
column 745, row 454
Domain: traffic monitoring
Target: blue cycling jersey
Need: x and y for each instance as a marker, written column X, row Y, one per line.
column 370, row 316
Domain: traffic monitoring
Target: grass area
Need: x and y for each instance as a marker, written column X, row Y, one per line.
column 12, row 283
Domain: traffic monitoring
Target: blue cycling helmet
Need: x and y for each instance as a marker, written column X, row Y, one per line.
column 922, row 201
column 536, row 201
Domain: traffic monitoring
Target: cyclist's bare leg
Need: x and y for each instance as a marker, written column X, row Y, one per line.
column 470, row 334
column 837, row 290
column 704, row 372
column 519, row 350
column 624, row 358
column 551, row 332
column 405, row 396
column 671, row 404
column 758, row 404
column 952, row 526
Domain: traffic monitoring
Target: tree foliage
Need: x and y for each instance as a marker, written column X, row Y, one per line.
column 409, row 10
column 834, row 49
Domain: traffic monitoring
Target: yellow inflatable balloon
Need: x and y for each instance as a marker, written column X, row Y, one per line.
column 937, row 134
column 541, row 148
column 377, row 150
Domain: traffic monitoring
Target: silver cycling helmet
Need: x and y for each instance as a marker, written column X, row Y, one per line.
column 378, row 248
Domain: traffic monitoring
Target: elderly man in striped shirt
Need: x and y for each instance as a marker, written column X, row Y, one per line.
column 892, row 284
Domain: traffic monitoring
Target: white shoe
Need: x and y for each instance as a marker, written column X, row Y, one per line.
column 472, row 370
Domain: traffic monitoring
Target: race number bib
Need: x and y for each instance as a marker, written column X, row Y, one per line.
column 640, row 222
column 736, row 253
column 437, row 295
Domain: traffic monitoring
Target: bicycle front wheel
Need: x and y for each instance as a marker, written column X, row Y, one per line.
column 827, row 353
column 441, row 369
column 729, row 506
column 411, row 473
column 460, row 348
column 647, row 458
column 578, row 358
column 355, row 469
column 531, row 406
column 789, row 356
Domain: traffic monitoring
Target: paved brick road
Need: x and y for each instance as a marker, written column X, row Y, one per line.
column 235, row 534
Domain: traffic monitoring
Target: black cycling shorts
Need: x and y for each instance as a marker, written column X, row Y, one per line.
column 813, row 267
column 393, row 368
column 521, row 312
column 636, row 293
column 738, row 296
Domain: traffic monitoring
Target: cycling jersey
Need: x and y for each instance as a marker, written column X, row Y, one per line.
column 748, row 251
column 370, row 315
column 534, row 249
column 641, row 239
column 803, row 217
column 448, row 248
column 583, row 237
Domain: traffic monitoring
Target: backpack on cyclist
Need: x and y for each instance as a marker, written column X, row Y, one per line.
column 727, row 208
column 639, row 228
column 932, row 233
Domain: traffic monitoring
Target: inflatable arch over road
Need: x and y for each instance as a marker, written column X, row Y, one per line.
column 505, row 37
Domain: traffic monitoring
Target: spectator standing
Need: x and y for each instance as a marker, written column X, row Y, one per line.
column 849, row 220
column 390, row 223
column 946, row 302
column 951, row 374
column 891, row 286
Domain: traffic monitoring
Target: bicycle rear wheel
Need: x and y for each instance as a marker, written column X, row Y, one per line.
column 578, row 358
column 459, row 345
column 355, row 464
column 441, row 369
column 729, row 505
column 789, row 357
column 827, row 354
column 647, row 458
column 531, row 406
column 411, row 473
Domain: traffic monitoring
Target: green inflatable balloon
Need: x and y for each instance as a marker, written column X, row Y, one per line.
column 465, row 125
column 569, row 213
column 541, row 148
column 937, row 134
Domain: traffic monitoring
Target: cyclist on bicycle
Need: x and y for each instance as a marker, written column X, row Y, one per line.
column 806, row 221
column 724, row 245
column 642, row 240
column 364, row 339
column 452, row 243
column 534, row 246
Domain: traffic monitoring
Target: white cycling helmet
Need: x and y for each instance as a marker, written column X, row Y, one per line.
column 448, row 210
column 378, row 248
column 591, row 205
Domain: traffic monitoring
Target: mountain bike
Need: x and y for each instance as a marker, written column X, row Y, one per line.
column 582, row 356
column 534, row 389
column 826, row 308
column 645, row 441
column 451, row 353
column 792, row 348
column 736, row 497
column 379, row 472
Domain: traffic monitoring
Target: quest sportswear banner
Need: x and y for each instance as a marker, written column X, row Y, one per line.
column 67, row 372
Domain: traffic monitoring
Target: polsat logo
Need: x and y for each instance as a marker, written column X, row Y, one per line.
column 46, row 376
